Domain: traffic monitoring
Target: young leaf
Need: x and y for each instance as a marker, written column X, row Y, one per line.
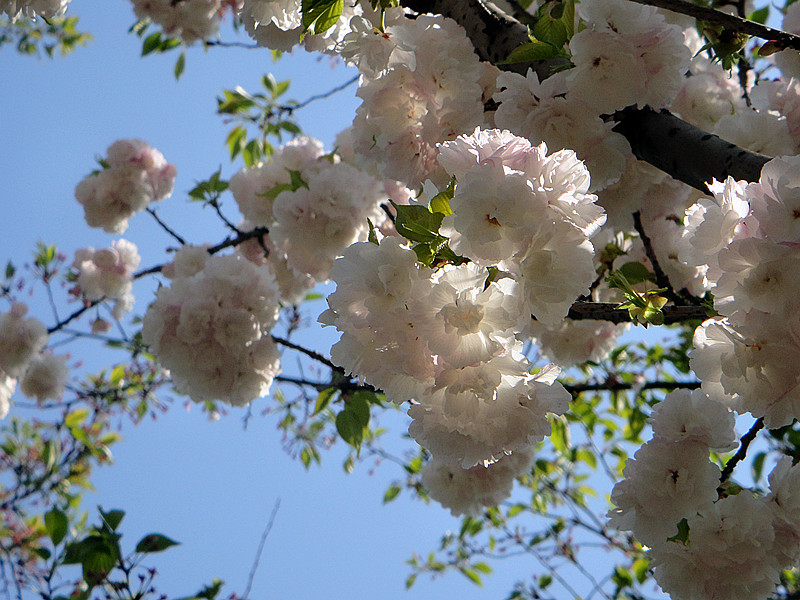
column 154, row 542
column 55, row 522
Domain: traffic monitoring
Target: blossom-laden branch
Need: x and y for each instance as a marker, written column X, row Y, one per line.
column 780, row 39
column 683, row 151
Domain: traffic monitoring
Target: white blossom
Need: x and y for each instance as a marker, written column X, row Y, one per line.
column 469, row 491
column 45, row 377
column 20, row 339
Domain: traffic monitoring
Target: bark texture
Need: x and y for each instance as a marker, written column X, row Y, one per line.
column 678, row 148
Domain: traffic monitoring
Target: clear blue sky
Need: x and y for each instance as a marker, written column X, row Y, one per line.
column 208, row 485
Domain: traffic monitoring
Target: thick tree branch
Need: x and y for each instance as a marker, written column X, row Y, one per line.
column 729, row 22
column 685, row 152
column 608, row 311
column 681, row 150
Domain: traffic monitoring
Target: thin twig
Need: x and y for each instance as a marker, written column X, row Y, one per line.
column 165, row 227
column 662, row 280
column 310, row 353
column 263, row 541
column 729, row 22
column 322, row 96
column 744, row 443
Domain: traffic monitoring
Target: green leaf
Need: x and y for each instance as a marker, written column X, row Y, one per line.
column 682, row 537
column 759, row 16
column 391, row 493
column 440, row 203
column 551, row 31
column 471, row 575
column 323, row 399
column 56, row 524
column 155, row 542
column 416, row 223
column 349, row 428
column 621, row 578
column 639, row 569
column 180, row 65
column 112, row 518
column 76, row 417
column 530, row 52
column 321, row 14
column 758, row 465
column 97, row 566
column 10, row 270
column 151, row 43
column 636, row 272
column 42, row 553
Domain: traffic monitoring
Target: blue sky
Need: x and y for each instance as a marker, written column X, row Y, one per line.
column 209, row 485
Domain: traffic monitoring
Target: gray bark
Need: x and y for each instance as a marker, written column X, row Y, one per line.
column 678, row 148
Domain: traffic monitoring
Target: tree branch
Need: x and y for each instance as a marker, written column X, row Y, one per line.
column 608, row 311
column 681, row 150
column 684, row 151
column 616, row 386
column 729, row 22
column 744, row 443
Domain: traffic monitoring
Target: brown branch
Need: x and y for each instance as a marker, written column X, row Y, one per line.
column 728, row 21
column 608, row 311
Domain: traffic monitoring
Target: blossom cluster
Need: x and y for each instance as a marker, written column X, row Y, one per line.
column 211, row 326
column 134, row 174
column 703, row 542
column 107, row 273
column 746, row 239
column 314, row 207
column 41, row 374
column 444, row 339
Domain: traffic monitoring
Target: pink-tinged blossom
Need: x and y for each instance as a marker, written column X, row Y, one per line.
column 211, row 330
column 411, row 108
column 465, row 321
column 571, row 343
column 764, row 132
column 316, row 222
column 788, row 61
column 557, row 268
column 470, row 491
column 107, row 273
column 136, row 176
column 20, row 339
column 277, row 24
column 253, row 187
column 45, row 377
column 628, row 55
column 545, row 112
